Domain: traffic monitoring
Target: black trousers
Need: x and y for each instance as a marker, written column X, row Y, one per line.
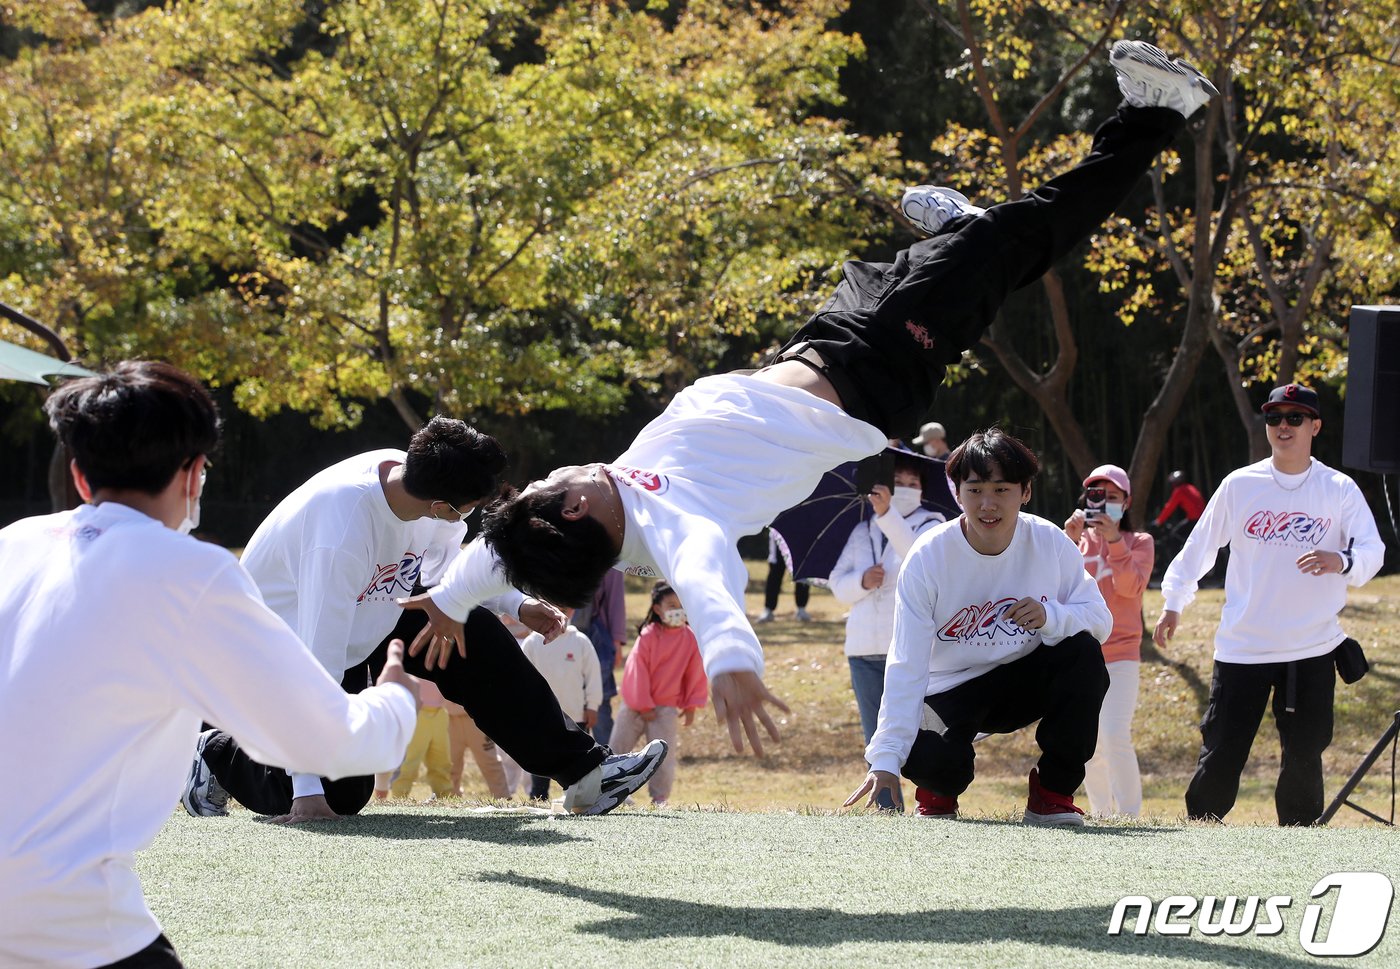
column 891, row 329
column 1062, row 686
column 160, row 954
column 773, row 585
column 1303, row 712
column 500, row 689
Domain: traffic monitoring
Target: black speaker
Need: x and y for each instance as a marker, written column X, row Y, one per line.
column 1371, row 436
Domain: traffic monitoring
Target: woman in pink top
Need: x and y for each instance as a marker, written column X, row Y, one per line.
column 664, row 681
column 1121, row 560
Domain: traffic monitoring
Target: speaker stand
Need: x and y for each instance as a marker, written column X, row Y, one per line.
column 1389, row 737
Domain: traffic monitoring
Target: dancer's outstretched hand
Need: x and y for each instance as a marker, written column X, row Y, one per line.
column 739, row 699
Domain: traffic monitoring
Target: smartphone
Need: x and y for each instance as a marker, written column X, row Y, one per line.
column 1094, row 500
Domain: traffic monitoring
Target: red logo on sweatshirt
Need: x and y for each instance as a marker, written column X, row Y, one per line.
column 1293, row 527
column 985, row 621
column 648, row 480
column 920, row 333
column 395, row 578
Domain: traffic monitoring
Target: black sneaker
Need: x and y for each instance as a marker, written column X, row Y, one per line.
column 615, row 780
column 204, row 796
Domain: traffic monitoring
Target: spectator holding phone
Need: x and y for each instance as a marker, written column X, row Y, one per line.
column 1120, row 560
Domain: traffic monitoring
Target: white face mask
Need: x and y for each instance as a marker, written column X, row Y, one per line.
column 673, row 617
column 905, row 500
column 1114, row 510
column 191, row 520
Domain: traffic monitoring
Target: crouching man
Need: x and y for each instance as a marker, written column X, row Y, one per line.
column 997, row 625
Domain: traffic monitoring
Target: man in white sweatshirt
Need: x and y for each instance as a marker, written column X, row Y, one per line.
column 113, row 611
column 997, row 625
column 733, row 451
column 1299, row 534
column 333, row 559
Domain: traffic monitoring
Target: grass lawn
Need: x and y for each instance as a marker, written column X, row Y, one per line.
column 753, row 866
column 426, row 887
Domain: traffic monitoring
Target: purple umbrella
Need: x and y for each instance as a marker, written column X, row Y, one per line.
column 812, row 533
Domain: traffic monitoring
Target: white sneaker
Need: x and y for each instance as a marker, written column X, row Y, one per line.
column 609, row 784
column 204, row 796
column 765, row 616
column 931, row 207
column 1149, row 78
column 802, row 615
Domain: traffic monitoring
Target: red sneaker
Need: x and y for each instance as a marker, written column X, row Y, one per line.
column 933, row 805
column 1045, row 808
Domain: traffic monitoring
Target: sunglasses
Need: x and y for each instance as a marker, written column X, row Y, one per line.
column 1294, row 420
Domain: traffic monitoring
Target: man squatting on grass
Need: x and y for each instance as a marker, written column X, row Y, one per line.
column 732, row 451
column 113, row 611
column 997, row 625
column 333, row 558
column 1299, row 534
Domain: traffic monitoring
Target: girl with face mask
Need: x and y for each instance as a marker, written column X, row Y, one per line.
column 864, row 578
column 1120, row 560
column 662, row 684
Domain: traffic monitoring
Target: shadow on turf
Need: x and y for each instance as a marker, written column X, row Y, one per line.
column 648, row 917
column 489, row 828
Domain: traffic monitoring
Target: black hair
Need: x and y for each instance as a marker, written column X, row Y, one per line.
column 661, row 590
column 449, row 460
column 910, row 463
column 134, row 427
column 989, row 449
column 543, row 553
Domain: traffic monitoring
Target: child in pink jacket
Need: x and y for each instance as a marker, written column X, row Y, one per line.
column 663, row 682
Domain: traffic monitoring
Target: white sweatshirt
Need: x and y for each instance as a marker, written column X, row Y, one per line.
column 722, row 461
column 948, row 625
column 1274, row 613
column 879, row 540
column 727, row 455
column 332, row 559
column 119, row 636
column 570, row 666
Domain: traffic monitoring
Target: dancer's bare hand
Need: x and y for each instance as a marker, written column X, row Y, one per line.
column 313, row 807
column 440, row 635
column 875, row 782
column 739, row 699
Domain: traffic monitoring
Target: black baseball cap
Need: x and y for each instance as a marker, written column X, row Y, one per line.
column 1295, row 394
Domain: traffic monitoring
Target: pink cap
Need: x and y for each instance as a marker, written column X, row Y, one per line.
column 1110, row 472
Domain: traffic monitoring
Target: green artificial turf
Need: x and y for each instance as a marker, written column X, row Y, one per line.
column 427, row 887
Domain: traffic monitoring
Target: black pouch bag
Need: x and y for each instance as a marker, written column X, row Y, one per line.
column 1350, row 660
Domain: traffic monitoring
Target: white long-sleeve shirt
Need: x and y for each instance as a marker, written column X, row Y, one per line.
column 118, row 636
column 332, row 559
column 727, row 455
column 1273, row 612
column 570, row 667
column 725, row 458
column 879, row 540
column 948, row 625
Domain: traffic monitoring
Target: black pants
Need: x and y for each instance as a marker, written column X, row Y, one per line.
column 774, row 584
column 891, row 329
column 1238, row 694
column 1062, row 686
column 160, row 954
column 500, row 689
